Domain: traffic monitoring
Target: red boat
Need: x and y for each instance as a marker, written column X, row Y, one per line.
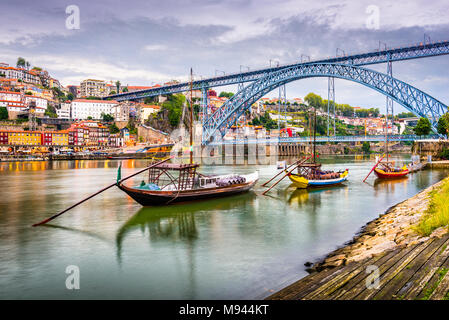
column 388, row 172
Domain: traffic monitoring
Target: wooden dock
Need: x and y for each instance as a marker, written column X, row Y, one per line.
column 416, row 272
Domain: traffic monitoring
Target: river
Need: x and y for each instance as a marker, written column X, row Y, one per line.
column 240, row 247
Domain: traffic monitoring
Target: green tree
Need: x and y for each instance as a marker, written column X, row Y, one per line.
column 225, row 94
column 125, row 89
column 314, row 100
column 21, row 62
column 107, row 117
column 70, row 96
column 366, row 147
column 90, row 118
column 51, row 112
column 443, row 124
column 117, row 85
column 3, row 113
column 113, row 129
column 112, row 92
column 423, row 127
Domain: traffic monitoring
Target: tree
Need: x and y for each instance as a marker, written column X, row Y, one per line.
column 366, row 147
column 3, row 113
column 112, row 92
column 107, row 117
column 225, row 94
column 70, row 96
column 113, row 129
column 51, row 112
column 21, row 62
column 423, row 127
column 117, row 84
column 125, row 89
column 443, row 124
column 314, row 100
column 89, row 118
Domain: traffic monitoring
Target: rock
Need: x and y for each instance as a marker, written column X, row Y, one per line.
column 308, row 264
column 335, row 258
column 439, row 232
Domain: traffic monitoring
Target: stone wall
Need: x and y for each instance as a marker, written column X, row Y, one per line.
column 151, row 135
column 433, row 148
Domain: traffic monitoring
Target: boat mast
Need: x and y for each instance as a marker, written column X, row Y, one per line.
column 314, row 135
column 191, row 116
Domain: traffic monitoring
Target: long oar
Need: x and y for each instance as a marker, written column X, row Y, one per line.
column 98, row 192
column 280, row 172
column 263, row 193
column 377, row 163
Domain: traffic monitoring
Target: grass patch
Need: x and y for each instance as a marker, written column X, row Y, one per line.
column 437, row 214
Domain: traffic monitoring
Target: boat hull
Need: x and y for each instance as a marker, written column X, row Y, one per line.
column 390, row 175
column 157, row 197
column 303, row 183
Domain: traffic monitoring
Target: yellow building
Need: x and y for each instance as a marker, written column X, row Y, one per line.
column 60, row 138
column 28, row 138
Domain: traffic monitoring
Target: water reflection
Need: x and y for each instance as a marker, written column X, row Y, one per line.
column 178, row 223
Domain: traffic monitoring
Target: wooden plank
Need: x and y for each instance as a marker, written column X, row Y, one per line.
column 393, row 271
column 441, row 292
column 352, row 277
column 421, row 278
column 432, row 284
column 347, row 273
column 384, row 265
column 400, row 280
column 302, row 283
column 356, row 285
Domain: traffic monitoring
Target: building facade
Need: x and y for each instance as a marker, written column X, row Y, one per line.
column 82, row 109
column 93, row 88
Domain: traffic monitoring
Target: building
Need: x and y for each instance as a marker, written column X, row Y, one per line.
column 82, row 109
column 93, row 88
column 120, row 112
column 41, row 103
column 64, row 111
column 147, row 110
column 25, row 138
column 115, row 140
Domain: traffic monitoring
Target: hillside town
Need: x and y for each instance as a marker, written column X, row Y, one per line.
column 38, row 114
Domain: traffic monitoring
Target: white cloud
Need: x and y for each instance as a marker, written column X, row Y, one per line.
column 154, row 47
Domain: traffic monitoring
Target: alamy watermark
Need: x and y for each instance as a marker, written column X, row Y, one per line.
column 72, row 22
column 72, row 282
column 373, row 20
column 373, row 279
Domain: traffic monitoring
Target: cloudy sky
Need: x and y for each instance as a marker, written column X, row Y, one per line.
column 147, row 42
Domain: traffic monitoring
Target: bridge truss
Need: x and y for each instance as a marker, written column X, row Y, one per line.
column 408, row 96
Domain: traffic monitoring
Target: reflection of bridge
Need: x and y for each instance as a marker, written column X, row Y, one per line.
column 281, row 140
column 346, row 67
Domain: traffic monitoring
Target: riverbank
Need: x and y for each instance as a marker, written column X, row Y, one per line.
column 391, row 230
column 391, row 243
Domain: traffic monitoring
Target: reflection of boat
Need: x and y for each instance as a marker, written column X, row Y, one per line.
column 178, row 222
column 164, row 187
column 389, row 182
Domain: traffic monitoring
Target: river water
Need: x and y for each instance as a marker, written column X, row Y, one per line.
column 245, row 246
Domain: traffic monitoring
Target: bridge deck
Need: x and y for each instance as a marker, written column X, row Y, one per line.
column 417, row 272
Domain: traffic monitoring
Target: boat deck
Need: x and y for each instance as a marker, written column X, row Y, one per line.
column 419, row 271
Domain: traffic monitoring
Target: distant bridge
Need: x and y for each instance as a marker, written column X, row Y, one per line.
column 281, row 140
column 346, row 67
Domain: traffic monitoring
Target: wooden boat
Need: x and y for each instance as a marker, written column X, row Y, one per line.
column 164, row 187
column 310, row 175
column 386, row 170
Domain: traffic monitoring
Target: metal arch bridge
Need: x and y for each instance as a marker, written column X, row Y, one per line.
column 408, row 96
column 281, row 140
column 421, row 50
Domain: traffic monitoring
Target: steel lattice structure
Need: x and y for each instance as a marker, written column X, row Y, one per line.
column 380, row 56
column 409, row 97
column 294, row 140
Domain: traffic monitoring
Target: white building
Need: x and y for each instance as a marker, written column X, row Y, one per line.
column 120, row 112
column 85, row 108
column 93, row 88
column 40, row 102
column 64, row 111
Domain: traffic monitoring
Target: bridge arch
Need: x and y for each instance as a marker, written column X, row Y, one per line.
column 411, row 98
